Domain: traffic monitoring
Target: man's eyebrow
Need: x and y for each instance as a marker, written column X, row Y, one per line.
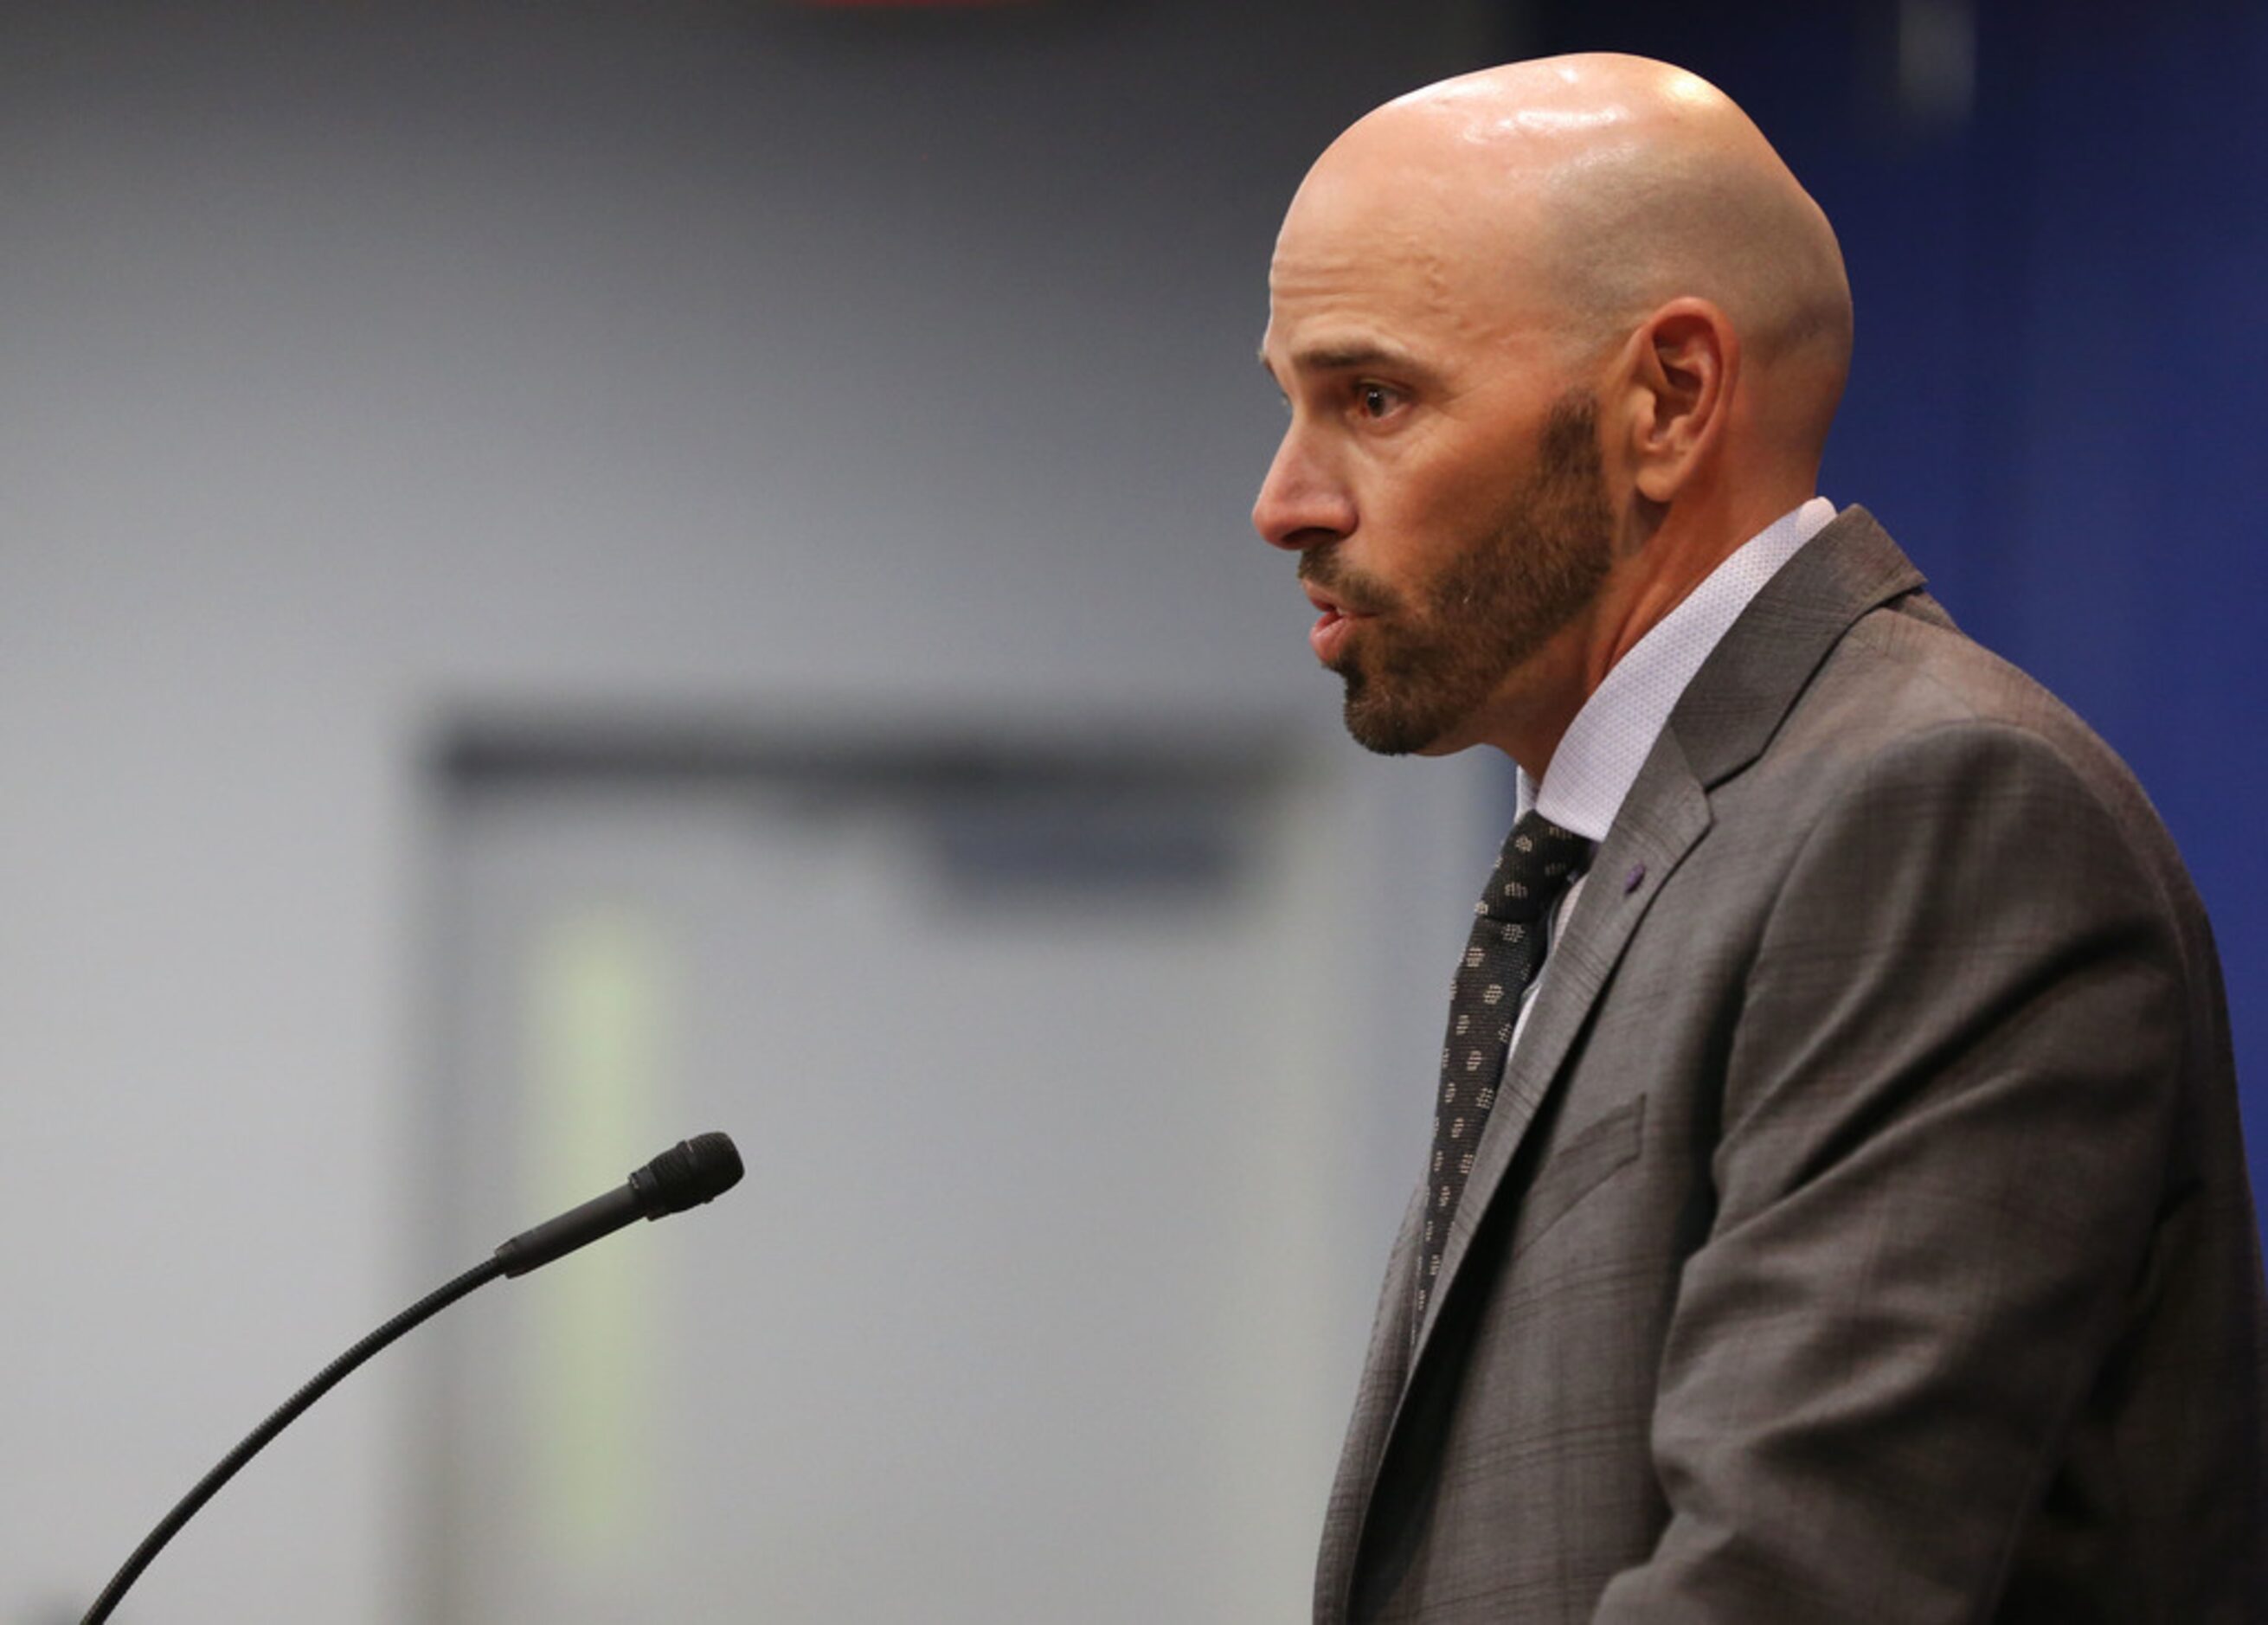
column 1346, row 358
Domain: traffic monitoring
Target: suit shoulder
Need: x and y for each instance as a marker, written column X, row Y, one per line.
column 1904, row 692
column 1905, row 669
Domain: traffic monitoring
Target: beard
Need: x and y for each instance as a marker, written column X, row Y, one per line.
column 1423, row 667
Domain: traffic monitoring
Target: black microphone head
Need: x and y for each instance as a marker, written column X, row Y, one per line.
column 686, row 1176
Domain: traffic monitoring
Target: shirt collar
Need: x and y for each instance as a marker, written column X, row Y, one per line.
column 1611, row 737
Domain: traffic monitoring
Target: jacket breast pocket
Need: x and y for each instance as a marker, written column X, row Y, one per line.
column 1592, row 1155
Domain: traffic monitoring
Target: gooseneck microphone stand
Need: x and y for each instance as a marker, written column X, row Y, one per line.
column 285, row 1414
column 689, row 1173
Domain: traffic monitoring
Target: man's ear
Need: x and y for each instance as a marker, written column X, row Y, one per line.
column 1682, row 364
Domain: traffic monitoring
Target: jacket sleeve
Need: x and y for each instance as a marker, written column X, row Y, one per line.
column 1945, row 1124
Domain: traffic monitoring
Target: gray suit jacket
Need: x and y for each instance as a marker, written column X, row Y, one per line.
column 1862, row 1229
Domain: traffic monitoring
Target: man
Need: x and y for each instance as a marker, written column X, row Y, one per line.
column 1858, row 1228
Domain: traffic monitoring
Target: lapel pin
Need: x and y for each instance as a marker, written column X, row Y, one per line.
column 1630, row 881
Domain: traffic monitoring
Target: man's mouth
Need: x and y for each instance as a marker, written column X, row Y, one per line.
column 1334, row 622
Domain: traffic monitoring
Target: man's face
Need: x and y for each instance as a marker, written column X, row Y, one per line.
column 1440, row 477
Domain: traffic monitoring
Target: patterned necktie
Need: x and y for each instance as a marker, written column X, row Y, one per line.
column 1502, row 957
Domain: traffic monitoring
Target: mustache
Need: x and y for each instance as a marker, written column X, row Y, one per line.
column 1322, row 569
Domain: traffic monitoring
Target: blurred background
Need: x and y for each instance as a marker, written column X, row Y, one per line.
column 571, row 574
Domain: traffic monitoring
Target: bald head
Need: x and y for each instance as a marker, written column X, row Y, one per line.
column 1575, row 194
column 1556, row 339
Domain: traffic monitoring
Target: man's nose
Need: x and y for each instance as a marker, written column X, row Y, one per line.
column 1301, row 504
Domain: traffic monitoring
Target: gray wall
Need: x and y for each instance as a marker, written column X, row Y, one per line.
column 362, row 367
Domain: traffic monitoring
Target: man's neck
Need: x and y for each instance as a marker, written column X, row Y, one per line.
column 1531, row 714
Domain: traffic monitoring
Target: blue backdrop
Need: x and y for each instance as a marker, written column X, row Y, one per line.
column 2056, row 217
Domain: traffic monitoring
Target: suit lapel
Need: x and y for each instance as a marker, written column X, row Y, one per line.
column 1665, row 815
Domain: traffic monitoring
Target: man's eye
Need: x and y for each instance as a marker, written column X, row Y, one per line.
column 1377, row 400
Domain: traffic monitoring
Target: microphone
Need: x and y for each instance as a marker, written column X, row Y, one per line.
column 689, row 1173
